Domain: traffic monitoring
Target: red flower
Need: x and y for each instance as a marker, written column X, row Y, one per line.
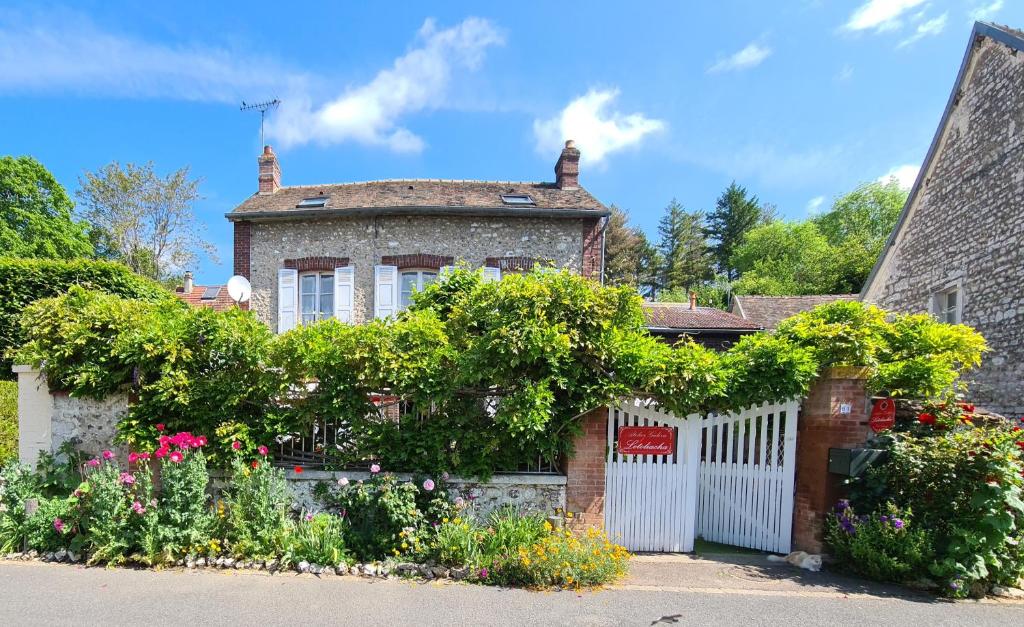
column 160, row 426
column 161, row 452
column 236, row 445
column 926, row 419
column 298, row 470
column 255, row 464
column 177, row 457
column 201, row 440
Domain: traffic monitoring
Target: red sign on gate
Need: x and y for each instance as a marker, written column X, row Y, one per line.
column 647, row 440
column 883, row 415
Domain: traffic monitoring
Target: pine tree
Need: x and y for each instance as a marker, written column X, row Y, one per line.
column 683, row 249
column 735, row 213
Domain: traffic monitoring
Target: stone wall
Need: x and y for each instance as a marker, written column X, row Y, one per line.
column 965, row 225
column 364, row 241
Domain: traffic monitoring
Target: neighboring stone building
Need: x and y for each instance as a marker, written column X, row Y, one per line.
column 958, row 248
column 706, row 326
column 356, row 251
column 769, row 311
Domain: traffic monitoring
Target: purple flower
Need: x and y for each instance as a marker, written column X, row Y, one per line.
column 884, row 519
column 428, row 485
column 842, row 505
column 898, row 523
column 483, row 573
column 126, row 478
column 954, row 585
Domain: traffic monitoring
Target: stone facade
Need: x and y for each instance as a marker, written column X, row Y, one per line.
column 964, row 224
column 366, row 241
column 91, row 424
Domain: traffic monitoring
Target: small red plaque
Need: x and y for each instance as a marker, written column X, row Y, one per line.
column 883, row 415
column 646, row 440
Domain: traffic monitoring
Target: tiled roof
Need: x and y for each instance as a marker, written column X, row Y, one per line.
column 680, row 316
column 220, row 302
column 768, row 311
column 420, row 193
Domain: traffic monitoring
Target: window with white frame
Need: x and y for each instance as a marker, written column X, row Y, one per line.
column 947, row 304
column 414, row 281
column 316, row 296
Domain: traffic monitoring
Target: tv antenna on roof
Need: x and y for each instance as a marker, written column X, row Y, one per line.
column 262, row 108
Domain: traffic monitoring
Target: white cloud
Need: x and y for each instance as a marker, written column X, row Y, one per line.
column 596, row 131
column 880, row 15
column 749, row 57
column 64, row 51
column 905, row 174
column 986, row 11
column 814, row 204
column 370, row 113
column 933, row 26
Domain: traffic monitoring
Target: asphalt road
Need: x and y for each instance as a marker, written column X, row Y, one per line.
column 51, row 594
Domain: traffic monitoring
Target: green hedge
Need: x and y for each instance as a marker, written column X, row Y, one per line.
column 23, row 281
column 8, row 420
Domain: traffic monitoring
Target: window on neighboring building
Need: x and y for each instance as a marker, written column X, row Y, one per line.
column 523, row 200
column 307, row 203
column 412, row 281
column 316, row 296
column 947, row 305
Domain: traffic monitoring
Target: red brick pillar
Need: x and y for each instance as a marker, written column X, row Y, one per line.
column 584, row 488
column 824, row 425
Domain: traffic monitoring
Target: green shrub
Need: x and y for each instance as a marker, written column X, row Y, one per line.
column 55, row 525
column 185, row 522
column 318, row 539
column 8, row 421
column 255, row 507
column 18, row 484
column 885, row 545
column 964, row 486
column 23, row 281
column 106, row 506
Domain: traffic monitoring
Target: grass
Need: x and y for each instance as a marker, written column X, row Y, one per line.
column 703, row 547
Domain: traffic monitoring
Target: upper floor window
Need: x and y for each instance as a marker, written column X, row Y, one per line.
column 412, row 281
column 316, row 296
column 947, row 305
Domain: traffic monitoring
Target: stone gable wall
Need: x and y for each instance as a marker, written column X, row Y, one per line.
column 364, row 241
column 967, row 226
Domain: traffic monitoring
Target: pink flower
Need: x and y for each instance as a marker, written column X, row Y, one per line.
column 93, row 463
column 165, row 441
column 236, row 445
column 161, row 452
column 138, row 508
column 309, row 517
column 126, row 478
column 160, row 426
column 177, row 457
column 343, row 481
column 143, row 456
column 133, row 457
column 263, row 450
column 201, row 440
column 108, row 454
column 375, row 468
column 58, row 524
column 428, row 485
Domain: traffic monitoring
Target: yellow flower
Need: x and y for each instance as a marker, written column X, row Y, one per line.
column 404, row 545
column 568, row 580
column 547, row 526
column 568, row 514
column 444, row 520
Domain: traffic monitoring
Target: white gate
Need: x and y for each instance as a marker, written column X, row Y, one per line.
column 730, row 480
column 746, row 477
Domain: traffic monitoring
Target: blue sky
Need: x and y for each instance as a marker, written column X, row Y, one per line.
column 798, row 100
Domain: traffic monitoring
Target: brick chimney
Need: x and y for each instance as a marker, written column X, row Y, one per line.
column 693, row 300
column 189, row 283
column 270, row 172
column 567, row 170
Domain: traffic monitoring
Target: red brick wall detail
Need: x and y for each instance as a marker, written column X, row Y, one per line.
column 418, row 260
column 584, row 489
column 243, row 242
column 822, row 426
column 592, row 249
column 316, row 264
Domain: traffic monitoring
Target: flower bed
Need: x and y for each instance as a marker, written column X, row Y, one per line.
column 157, row 510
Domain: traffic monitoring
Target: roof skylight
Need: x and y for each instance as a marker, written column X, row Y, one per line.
column 307, row 203
column 522, row 200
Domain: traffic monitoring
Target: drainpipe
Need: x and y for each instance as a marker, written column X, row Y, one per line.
column 604, row 226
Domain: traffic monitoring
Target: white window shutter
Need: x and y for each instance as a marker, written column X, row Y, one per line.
column 287, row 299
column 385, row 291
column 445, row 272
column 344, row 286
column 492, row 274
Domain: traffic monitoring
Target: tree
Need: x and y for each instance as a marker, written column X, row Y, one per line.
column 628, row 254
column 36, row 214
column 857, row 227
column 735, row 214
column 785, row 258
column 143, row 219
column 685, row 259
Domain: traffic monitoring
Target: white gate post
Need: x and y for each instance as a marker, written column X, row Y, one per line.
column 691, row 461
column 788, row 480
column 35, row 409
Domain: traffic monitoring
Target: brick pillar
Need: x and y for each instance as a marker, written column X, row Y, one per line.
column 822, row 426
column 584, row 488
column 592, row 237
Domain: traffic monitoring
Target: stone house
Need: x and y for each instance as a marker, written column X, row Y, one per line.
column 357, row 251
column 958, row 248
column 707, row 326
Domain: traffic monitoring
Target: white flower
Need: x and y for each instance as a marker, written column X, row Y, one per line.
column 343, row 481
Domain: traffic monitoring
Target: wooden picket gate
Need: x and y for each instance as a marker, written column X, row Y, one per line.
column 729, row 480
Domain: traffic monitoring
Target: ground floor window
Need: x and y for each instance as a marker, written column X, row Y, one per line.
column 414, row 280
column 316, row 296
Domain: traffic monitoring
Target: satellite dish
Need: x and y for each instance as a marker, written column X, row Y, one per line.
column 239, row 289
